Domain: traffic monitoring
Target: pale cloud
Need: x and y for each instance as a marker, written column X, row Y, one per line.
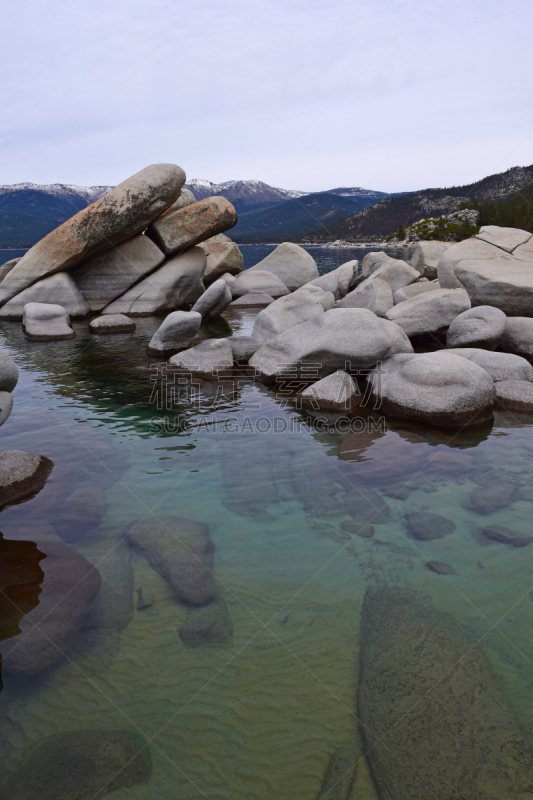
column 391, row 95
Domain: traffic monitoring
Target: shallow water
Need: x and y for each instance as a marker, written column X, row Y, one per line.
column 259, row 716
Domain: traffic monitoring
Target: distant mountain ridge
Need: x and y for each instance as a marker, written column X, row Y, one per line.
column 384, row 218
column 245, row 195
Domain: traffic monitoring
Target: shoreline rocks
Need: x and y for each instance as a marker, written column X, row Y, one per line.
column 43, row 322
column 22, row 474
column 176, row 332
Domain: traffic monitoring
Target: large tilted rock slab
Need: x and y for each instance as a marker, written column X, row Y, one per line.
column 436, row 388
column 205, row 360
column 193, row 224
column 433, row 720
column 495, row 268
column 176, row 332
column 70, row 584
column 120, row 214
column 181, row 551
column 59, row 289
column 482, row 326
column 259, row 281
column 214, row 300
column 9, row 373
column 518, row 337
column 500, row 366
column 430, row 312
column 105, row 277
column 285, row 312
column 81, row 765
column 291, row 264
column 22, row 474
column 223, row 257
column 177, row 282
column 426, row 256
column 374, row 294
column 44, row 322
column 338, row 280
column 338, row 339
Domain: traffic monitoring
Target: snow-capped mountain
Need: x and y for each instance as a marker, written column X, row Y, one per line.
column 245, row 195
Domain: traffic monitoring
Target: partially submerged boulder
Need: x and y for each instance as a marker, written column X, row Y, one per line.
column 284, row 313
column 177, row 282
column 514, row 396
column 435, row 388
column 430, row 312
column 258, row 281
column 119, row 215
column 44, row 322
column 176, row 332
column 427, row 527
column 22, row 474
column 106, row 276
column 81, row 765
column 338, row 392
column 433, row 721
column 9, row 373
column 58, row 289
column 205, row 360
column 214, row 300
column 181, row 551
column 291, row 264
column 335, row 339
column 481, row 326
column 193, row 224
column 112, row 323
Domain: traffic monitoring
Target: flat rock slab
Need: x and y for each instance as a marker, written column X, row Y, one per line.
column 252, row 300
column 208, row 626
column 490, row 498
column 499, row 533
column 22, row 474
column 181, row 551
column 112, row 323
column 81, row 765
column 120, row 214
column 427, row 527
column 433, row 720
column 43, row 322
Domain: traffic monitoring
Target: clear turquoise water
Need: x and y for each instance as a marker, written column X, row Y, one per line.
column 259, row 716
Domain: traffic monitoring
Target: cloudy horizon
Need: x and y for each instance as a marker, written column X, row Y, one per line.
column 391, row 96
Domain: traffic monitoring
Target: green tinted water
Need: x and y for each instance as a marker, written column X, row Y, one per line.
column 259, row 716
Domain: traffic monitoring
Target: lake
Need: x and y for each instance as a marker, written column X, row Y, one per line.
column 256, row 707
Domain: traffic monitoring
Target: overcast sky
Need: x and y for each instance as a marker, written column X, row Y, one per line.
column 303, row 94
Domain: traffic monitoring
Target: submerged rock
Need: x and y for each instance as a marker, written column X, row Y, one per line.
column 499, row 533
column 427, row 526
column 22, row 474
column 112, row 608
column 43, row 322
column 120, row 214
column 81, row 512
column 145, row 597
column 366, row 505
column 432, row 718
column 208, row 626
column 81, row 765
column 441, row 568
column 360, row 529
column 340, row 774
column 181, row 551
column 69, row 586
column 490, row 498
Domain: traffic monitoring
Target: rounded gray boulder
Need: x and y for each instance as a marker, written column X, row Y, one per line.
column 176, row 332
column 482, row 326
column 214, row 300
column 435, row 388
column 518, row 337
column 9, row 373
column 46, row 321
